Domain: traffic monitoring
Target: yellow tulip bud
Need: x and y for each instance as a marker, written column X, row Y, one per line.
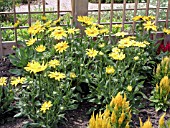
column 92, row 122
column 122, row 117
column 157, row 87
column 164, row 83
column 115, row 108
column 161, row 120
column 106, row 113
column 127, row 125
column 112, row 102
column 158, row 69
column 113, row 117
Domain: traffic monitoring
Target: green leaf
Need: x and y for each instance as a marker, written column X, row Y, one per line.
column 18, row 115
column 144, row 96
column 37, row 103
column 17, row 72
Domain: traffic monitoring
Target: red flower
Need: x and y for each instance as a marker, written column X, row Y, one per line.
column 163, row 47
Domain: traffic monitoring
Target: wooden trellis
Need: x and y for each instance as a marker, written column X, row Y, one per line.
column 80, row 7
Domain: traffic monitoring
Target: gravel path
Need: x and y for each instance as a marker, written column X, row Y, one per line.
column 66, row 5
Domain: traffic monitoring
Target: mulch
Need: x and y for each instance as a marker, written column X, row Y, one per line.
column 77, row 118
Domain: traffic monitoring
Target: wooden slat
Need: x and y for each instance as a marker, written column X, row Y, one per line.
column 7, row 47
column 29, row 14
column 167, row 14
column 15, row 20
column 99, row 11
column 58, row 9
column 135, row 11
column 43, row 2
column 157, row 12
column 111, row 16
column 1, row 48
column 36, row 12
column 73, row 11
column 118, row 9
column 124, row 14
column 147, row 7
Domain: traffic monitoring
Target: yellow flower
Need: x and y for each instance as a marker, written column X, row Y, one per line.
column 162, row 120
column 72, row 75
column 92, row 122
column 106, row 113
column 3, row 81
column 158, row 69
column 136, row 58
column 101, row 53
column 145, row 42
column 129, row 88
column 31, row 41
column 115, row 49
column 145, row 18
column 92, row 32
column 54, row 63
column 167, row 31
column 43, row 18
column 103, row 31
column 113, row 117
column 35, row 67
column 62, row 46
column 58, row 33
column 157, row 88
column 118, row 100
column 72, row 30
column 14, row 47
column 117, row 56
column 40, row 48
column 36, row 28
column 117, row 26
column 165, row 60
column 57, row 75
column 101, row 45
column 125, row 42
column 97, row 25
column 57, row 21
column 150, row 26
column 122, row 34
column 85, row 20
column 127, row 125
column 165, row 82
column 110, row 70
column 48, row 24
column 137, row 18
column 16, row 24
column 147, row 124
column 91, row 53
column 141, row 44
column 151, row 17
column 46, row 106
column 17, row 80
column 121, row 119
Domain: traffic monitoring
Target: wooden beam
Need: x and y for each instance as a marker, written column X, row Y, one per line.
column 1, row 48
column 79, row 8
column 168, row 14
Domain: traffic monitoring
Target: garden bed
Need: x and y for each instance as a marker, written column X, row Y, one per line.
column 79, row 118
column 58, row 76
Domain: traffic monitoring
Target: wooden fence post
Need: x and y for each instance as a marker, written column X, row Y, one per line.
column 79, row 8
column 168, row 14
column 1, row 48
